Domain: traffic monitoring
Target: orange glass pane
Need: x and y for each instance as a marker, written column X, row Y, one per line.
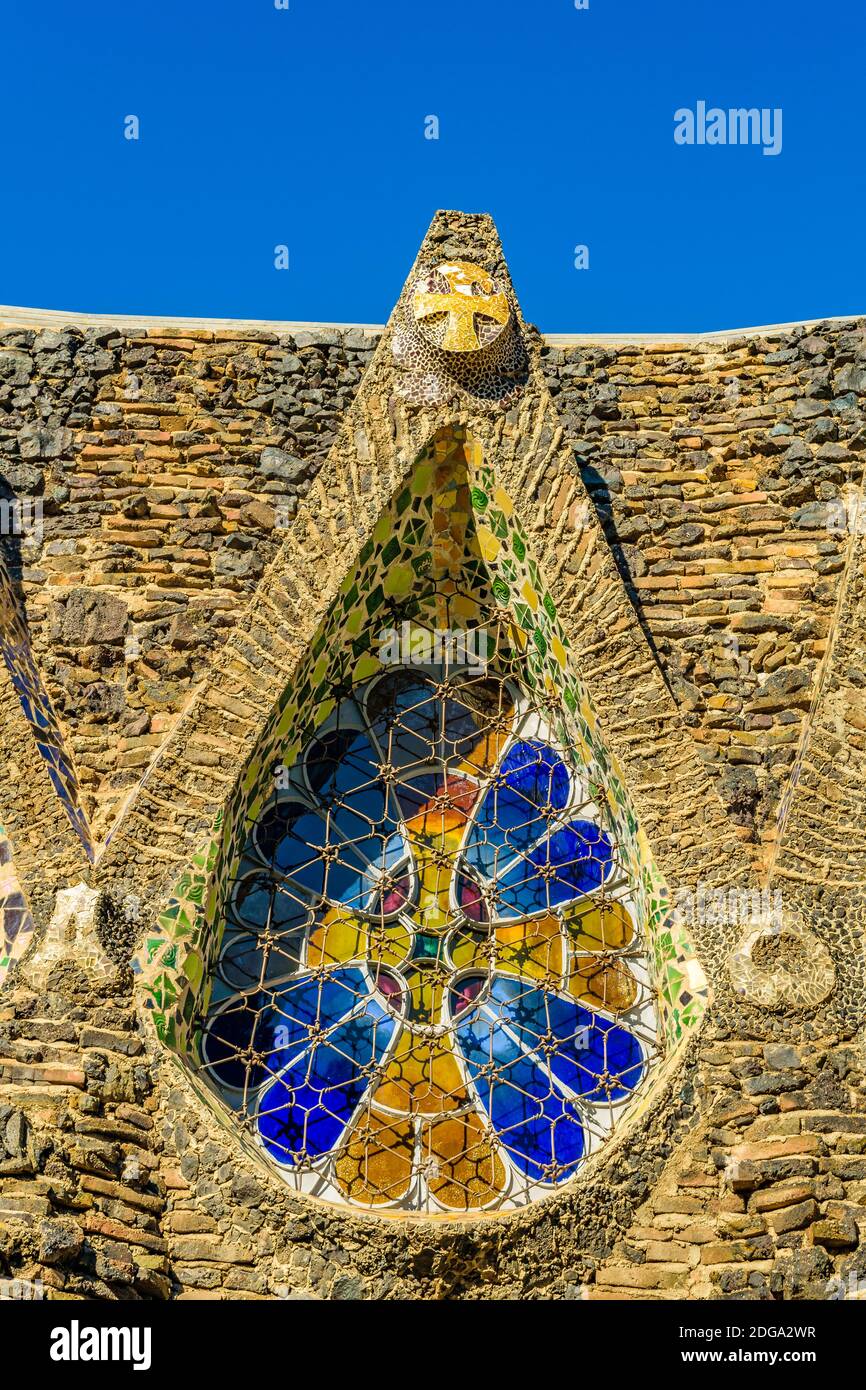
column 442, row 817
column 603, row 984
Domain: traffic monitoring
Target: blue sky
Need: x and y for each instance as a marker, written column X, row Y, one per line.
column 305, row 127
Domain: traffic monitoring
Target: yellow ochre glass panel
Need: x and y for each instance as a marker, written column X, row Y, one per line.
column 604, row 984
column 339, row 937
column 342, row 936
column 463, row 1170
column 599, row 926
column 422, row 1077
column 377, row 1164
column 536, row 949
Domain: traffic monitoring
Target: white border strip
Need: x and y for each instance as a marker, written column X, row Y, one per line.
column 12, row 316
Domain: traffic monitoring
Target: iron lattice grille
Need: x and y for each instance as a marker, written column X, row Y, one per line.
column 431, row 991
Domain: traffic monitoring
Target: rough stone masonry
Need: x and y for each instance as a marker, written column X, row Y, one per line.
column 179, row 469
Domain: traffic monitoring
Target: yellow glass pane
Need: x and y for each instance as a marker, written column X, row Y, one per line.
column 435, row 836
column 339, row 937
column 470, row 948
column 599, row 927
column 463, row 1170
column 422, row 1078
column 535, row 949
column 425, row 993
column 342, row 936
column 388, row 942
column 377, row 1165
column 607, row 985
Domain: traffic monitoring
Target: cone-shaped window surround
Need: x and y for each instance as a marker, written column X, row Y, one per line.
column 435, row 975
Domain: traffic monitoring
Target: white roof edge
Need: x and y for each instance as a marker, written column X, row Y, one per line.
column 12, row 316
column 711, row 335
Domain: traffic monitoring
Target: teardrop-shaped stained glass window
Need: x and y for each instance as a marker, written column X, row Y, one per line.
column 435, row 985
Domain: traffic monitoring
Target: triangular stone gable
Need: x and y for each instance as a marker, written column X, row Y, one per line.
column 187, row 775
column 166, row 461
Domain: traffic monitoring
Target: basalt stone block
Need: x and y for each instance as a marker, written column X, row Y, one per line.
column 43, row 442
column 277, row 463
column 87, row 617
column 835, row 1235
column 792, row 1218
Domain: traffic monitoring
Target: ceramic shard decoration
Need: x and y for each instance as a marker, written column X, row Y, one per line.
column 16, row 923
column 459, row 307
column 38, row 710
column 427, row 962
column 456, row 333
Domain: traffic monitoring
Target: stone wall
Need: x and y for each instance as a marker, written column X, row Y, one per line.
column 169, row 463
column 167, row 466
column 747, row 1180
column 722, row 470
column 204, row 493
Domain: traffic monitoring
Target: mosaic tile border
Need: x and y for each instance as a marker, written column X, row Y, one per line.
column 38, row 710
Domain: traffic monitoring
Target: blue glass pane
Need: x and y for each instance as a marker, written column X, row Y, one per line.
column 535, row 774
column 360, row 813
column 511, row 817
column 291, row 838
column 588, row 1046
column 244, row 964
column 278, row 1025
column 350, row 877
column 304, row 1112
column 534, row 1120
column 287, row 913
column 340, row 762
column 239, row 1026
column 318, row 1001
column 406, row 718
column 252, row 901
column 580, row 857
column 342, row 769
column 262, row 900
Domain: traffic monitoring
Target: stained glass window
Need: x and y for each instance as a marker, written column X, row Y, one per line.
column 431, row 991
column 426, row 957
